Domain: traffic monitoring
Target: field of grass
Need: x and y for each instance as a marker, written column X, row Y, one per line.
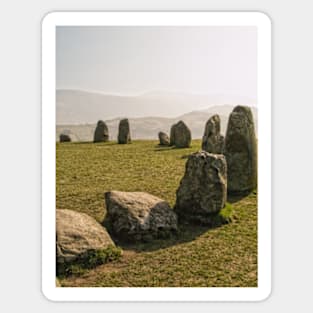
column 225, row 256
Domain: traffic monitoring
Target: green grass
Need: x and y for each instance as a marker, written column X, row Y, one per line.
column 222, row 256
column 89, row 261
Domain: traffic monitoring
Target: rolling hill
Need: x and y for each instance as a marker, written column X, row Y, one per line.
column 77, row 113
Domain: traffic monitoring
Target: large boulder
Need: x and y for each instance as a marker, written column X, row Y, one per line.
column 101, row 132
column 78, row 234
column 203, row 189
column 124, row 132
column 241, row 151
column 65, row 138
column 134, row 216
column 212, row 140
column 180, row 135
column 164, row 139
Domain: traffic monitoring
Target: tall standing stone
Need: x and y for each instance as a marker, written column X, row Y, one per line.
column 212, row 140
column 172, row 135
column 241, row 151
column 180, row 135
column 124, row 132
column 203, row 189
column 101, row 132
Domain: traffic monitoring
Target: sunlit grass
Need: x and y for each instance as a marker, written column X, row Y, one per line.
column 197, row 256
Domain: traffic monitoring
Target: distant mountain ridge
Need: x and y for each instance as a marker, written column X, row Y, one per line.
column 149, row 127
column 83, row 107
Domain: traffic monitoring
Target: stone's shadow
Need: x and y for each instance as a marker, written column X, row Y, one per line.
column 187, row 230
column 82, row 142
column 103, row 143
column 235, row 197
column 159, row 148
column 186, row 233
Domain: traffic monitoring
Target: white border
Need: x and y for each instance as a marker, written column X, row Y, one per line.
column 49, row 23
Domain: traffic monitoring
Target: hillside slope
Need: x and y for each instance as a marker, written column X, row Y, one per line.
column 83, row 107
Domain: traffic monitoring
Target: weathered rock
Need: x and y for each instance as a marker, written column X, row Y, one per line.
column 180, row 135
column 65, row 138
column 101, row 132
column 241, row 151
column 212, row 140
column 172, row 135
column 124, row 132
column 78, row 234
column 203, row 189
column 135, row 216
column 164, row 139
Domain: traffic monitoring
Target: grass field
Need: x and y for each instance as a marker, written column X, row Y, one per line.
column 225, row 256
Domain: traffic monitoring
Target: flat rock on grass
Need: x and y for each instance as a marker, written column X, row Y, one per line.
column 65, row 138
column 203, row 189
column 135, row 216
column 78, row 234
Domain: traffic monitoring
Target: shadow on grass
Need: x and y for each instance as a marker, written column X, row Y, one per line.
column 104, row 143
column 233, row 197
column 187, row 231
column 159, row 148
column 82, row 142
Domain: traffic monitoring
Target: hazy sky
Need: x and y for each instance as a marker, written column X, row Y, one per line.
column 134, row 60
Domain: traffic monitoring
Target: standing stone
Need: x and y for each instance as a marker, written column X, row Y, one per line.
column 212, row 140
column 180, row 135
column 241, row 151
column 101, row 132
column 124, row 132
column 203, row 189
column 134, row 216
column 65, row 138
column 172, row 135
column 164, row 139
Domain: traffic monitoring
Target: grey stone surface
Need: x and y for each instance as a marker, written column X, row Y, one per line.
column 212, row 140
column 134, row 216
column 65, row 138
column 164, row 139
column 101, row 132
column 124, row 132
column 203, row 189
column 77, row 234
column 241, row 151
column 180, row 135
